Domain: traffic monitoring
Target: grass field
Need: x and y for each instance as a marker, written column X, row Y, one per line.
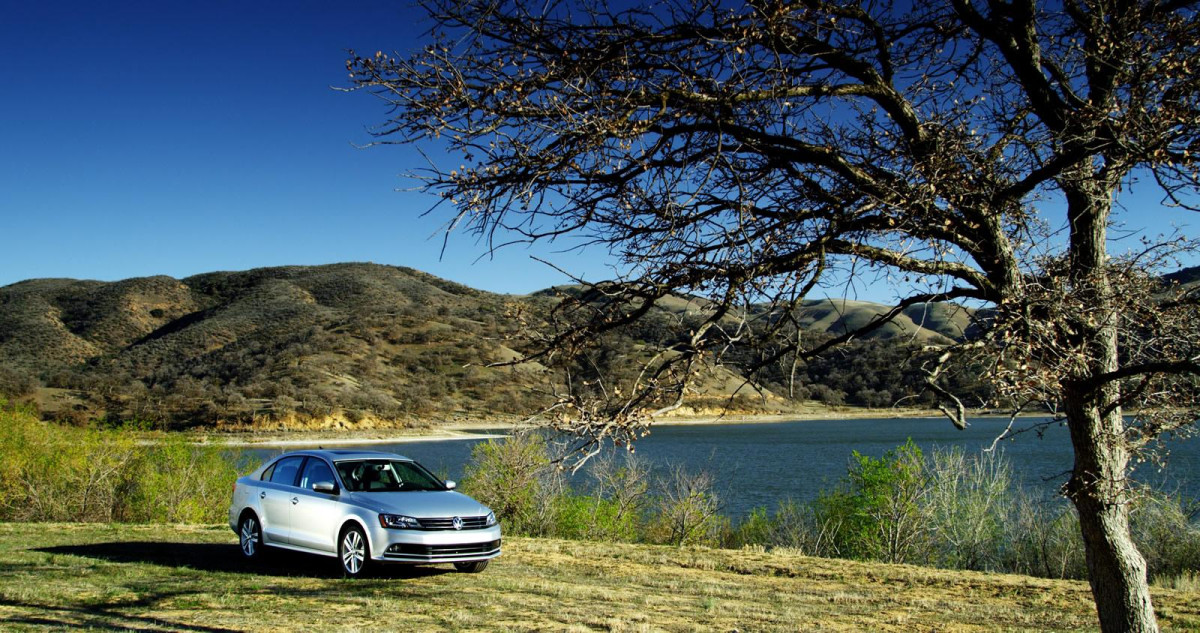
column 167, row 578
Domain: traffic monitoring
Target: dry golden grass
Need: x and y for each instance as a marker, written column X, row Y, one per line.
column 191, row 579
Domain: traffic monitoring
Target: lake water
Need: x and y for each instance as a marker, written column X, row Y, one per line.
column 763, row 463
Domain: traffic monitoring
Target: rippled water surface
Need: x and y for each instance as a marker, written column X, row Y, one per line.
column 761, row 464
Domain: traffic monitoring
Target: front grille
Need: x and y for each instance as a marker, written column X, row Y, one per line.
column 447, row 523
column 437, row 551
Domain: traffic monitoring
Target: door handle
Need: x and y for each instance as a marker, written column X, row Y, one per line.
column 295, row 500
column 262, row 495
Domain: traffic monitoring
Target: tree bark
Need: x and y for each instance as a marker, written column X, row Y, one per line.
column 1098, row 486
column 1098, row 489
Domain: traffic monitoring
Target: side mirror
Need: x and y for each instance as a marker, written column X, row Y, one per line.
column 450, row 485
column 326, row 487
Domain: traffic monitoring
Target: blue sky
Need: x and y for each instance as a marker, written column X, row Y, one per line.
column 179, row 138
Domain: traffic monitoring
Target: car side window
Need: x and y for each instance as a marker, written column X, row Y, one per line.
column 266, row 475
column 314, row 471
column 285, row 471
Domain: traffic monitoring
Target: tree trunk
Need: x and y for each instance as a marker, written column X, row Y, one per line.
column 1098, row 489
column 1098, row 486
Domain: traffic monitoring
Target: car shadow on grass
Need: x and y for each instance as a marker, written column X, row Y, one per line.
column 221, row 557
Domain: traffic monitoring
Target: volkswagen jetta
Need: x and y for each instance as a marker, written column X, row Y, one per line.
column 362, row 507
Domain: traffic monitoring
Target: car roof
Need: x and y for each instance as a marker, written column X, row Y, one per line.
column 335, row 455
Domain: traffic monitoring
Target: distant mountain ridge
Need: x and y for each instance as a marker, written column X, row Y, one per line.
column 1187, row 277
column 939, row 323
column 346, row 343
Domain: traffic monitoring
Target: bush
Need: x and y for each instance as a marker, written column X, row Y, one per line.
column 969, row 499
column 1165, row 529
column 52, row 473
column 960, row 511
column 594, row 518
column 1044, row 539
column 516, row 479
column 687, row 509
column 55, row 473
column 179, row 482
column 878, row 513
column 15, row 383
column 795, row 527
column 616, row 509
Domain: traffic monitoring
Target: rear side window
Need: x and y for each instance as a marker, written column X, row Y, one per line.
column 285, row 471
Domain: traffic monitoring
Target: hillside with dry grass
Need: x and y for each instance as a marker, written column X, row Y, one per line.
column 341, row 343
column 365, row 345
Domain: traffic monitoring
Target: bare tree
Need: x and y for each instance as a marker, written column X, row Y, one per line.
column 625, row 483
column 687, row 505
column 966, row 498
column 749, row 154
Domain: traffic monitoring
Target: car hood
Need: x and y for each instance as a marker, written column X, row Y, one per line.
column 428, row 504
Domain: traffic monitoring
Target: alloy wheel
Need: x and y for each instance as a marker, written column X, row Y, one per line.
column 248, row 537
column 354, row 552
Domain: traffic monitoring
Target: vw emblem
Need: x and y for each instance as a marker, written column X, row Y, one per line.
column 457, row 523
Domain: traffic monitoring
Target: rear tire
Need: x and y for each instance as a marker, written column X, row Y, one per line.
column 354, row 554
column 472, row 567
column 250, row 537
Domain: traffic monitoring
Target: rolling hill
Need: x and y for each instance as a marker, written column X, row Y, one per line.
column 334, row 345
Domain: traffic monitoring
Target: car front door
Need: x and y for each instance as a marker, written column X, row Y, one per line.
column 315, row 515
column 275, row 498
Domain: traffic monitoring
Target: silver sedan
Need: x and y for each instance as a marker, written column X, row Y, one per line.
column 363, row 508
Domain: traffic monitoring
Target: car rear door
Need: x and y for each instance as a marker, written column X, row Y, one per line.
column 275, row 499
column 315, row 515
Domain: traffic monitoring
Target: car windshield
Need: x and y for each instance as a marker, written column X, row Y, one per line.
column 386, row 475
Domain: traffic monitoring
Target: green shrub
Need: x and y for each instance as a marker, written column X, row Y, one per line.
column 793, row 526
column 516, row 479
column 180, row 482
column 877, row 513
column 56, row 473
column 53, row 473
column 595, row 518
column 757, row 528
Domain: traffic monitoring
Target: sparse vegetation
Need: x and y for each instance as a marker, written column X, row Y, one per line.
column 948, row 510
column 361, row 345
column 958, row 511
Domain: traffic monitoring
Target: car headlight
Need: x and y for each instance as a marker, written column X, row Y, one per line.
column 399, row 522
column 491, row 519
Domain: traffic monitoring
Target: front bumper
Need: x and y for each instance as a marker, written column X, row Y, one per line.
column 442, row 546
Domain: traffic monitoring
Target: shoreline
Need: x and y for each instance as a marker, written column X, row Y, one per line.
column 306, row 438
column 495, row 429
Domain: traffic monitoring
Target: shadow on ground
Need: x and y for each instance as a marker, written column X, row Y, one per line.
column 128, row 614
column 98, row 617
column 221, row 557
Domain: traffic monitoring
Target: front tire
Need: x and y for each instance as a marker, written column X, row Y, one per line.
column 354, row 554
column 472, row 567
column 250, row 537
